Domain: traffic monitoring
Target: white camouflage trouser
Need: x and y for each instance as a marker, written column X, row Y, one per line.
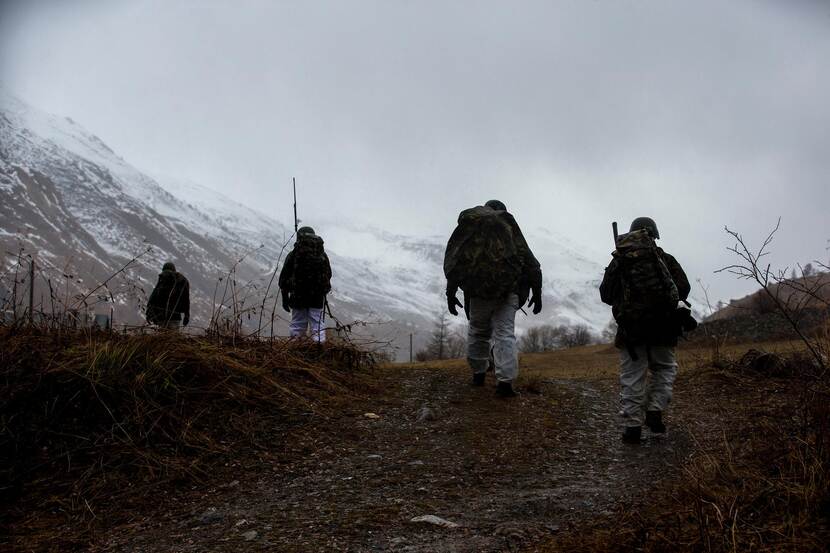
column 171, row 324
column 301, row 318
column 494, row 319
column 637, row 396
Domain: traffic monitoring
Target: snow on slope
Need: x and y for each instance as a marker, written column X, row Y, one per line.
column 56, row 174
column 402, row 274
column 406, row 274
column 382, row 276
column 220, row 208
column 64, row 134
column 100, row 211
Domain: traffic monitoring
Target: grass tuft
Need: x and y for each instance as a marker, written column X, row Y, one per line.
column 88, row 418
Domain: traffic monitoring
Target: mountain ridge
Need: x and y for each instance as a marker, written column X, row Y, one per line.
column 71, row 197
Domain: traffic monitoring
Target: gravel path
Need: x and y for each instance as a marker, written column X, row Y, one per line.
column 509, row 473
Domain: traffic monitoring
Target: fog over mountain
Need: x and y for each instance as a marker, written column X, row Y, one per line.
column 396, row 116
column 82, row 210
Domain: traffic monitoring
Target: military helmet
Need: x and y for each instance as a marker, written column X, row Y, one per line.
column 647, row 223
column 497, row 205
column 168, row 267
column 305, row 230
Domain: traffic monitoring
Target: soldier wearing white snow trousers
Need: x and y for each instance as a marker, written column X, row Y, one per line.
column 489, row 259
column 304, row 281
column 644, row 286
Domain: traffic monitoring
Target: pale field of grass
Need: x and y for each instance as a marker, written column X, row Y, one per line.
column 602, row 360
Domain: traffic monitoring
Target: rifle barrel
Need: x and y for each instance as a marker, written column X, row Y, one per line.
column 294, row 182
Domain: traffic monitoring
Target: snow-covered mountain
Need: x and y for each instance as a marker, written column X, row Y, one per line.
column 405, row 274
column 84, row 212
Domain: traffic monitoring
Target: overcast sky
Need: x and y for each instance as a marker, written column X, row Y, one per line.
column 400, row 114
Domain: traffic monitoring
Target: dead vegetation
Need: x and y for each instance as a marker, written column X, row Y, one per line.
column 759, row 479
column 87, row 419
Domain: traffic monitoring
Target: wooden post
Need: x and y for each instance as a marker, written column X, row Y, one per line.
column 410, row 347
column 32, row 291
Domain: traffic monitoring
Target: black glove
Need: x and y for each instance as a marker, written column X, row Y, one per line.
column 452, row 301
column 536, row 300
column 684, row 320
column 186, row 319
column 286, row 301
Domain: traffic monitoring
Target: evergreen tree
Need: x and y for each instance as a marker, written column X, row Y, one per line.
column 438, row 342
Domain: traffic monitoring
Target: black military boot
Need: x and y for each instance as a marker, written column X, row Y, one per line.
column 654, row 421
column 478, row 379
column 505, row 389
column 632, row 434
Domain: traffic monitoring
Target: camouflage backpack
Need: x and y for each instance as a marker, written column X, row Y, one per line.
column 310, row 275
column 481, row 255
column 649, row 293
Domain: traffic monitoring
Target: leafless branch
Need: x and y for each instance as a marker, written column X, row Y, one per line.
column 750, row 267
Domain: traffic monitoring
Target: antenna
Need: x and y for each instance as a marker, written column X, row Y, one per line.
column 294, row 182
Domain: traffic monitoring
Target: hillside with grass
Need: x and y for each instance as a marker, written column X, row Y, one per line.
column 95, row 424
column 293, row 446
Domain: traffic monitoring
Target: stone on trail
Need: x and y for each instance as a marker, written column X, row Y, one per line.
column 371, row 415
column 211, row 516
column 763, row 362
column 250, row 535
column 425, row 414
column 437, row 521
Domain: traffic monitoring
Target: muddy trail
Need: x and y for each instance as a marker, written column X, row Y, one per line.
column 509, row 472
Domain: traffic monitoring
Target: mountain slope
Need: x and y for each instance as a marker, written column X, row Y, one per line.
column 75, row 203
column 84, row 211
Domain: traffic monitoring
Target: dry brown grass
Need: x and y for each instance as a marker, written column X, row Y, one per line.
column 86, row 419
column 758, row 477
column 602, row 360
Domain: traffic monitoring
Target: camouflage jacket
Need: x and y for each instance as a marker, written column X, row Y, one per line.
column 531, row 276
column 662, row 334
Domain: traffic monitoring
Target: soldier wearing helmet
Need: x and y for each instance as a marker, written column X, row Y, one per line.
column 643, row 284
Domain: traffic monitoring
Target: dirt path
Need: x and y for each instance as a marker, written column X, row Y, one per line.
column 508, row 472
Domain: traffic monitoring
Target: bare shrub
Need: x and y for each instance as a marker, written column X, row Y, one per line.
column 778, row 290
column 456, row 345
column 548, row 338
column 579, row 335
column 609, row 333
column 531, row 341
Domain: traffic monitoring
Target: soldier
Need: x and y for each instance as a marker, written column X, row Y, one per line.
column 169, row 303
column 489, row 259
column 305, row 280
column 643, row 284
